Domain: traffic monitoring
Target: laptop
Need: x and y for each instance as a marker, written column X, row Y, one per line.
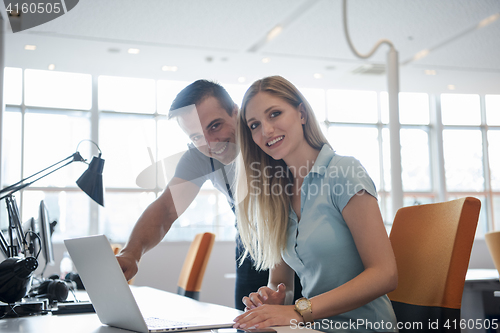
column 115, row 304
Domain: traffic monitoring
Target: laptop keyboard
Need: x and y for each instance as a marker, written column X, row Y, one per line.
column 154, row 322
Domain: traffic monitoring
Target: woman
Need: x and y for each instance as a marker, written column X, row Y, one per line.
column 315, row 213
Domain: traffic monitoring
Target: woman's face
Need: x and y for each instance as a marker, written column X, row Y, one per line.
column 276, row 125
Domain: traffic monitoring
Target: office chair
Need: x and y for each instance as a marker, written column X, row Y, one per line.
column 432, row 244
column 196, row 261
column 493, row 242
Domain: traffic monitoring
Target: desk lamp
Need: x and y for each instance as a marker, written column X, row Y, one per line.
column 16, row 271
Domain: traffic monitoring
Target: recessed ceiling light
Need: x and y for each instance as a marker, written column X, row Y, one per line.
column 133, row 51
column 430, row 72
column 242, row 79
column 421, row 54
column 30, row 47
column 169, row 68
column 52, row 67
column 318, row 75
column 274, row 32
column 266, row 60
column 451, row 87
column 488, row 20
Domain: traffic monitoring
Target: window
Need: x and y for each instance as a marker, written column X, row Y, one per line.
column 129, row 123
column 57, row 89
column 126, row 94
column 13, row 86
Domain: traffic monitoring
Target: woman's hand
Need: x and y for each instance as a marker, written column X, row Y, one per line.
column 267, row 315
column 265, row 295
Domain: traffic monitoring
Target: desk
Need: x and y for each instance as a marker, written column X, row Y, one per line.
column 478, row 300
column 89, row 323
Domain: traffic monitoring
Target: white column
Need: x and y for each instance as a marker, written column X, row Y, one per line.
column 394, row 129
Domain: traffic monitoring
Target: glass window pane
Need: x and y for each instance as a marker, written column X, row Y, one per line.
column 463, row 160
column 317, row 99
column 126, row 94
column 496, row 212
column 124, row 141
column 386, row 159
column 416, row 172
column 493, row 109
column 460, row 109
column 494, row 157
column 69, row 208
column 57, row 89
column 352, row 106
column 203, row 215
column 11, row 146
column 13, row 86
column 122, row 210
column 51, row 137
column 413, row 108
column 345, row 141
column 166, row 92
column 415, row 200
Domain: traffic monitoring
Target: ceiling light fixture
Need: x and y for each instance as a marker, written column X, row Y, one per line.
column 451, row 87
column 318, row 75
column 133, row 51
column 488, row 20
column 430, row 72
column 242, row 79
column 30, row 47
column 169, row 68
column 274, row 32
column 266, row 60
column 421, row 54
column 52, row 67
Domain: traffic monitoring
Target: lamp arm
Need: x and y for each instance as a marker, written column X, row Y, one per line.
column 349, row 42
column 20, row 184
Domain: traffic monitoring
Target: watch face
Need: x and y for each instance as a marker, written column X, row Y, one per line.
column 302, row 304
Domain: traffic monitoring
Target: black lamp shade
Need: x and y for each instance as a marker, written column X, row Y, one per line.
column 15, row 278
column 91, row 180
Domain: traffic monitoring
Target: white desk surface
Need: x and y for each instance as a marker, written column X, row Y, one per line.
column 89, row 322
column 481, row 275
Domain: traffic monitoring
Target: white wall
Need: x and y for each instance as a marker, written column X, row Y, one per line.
column 161, row 266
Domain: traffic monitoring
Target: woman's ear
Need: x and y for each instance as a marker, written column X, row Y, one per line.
column 303, row 114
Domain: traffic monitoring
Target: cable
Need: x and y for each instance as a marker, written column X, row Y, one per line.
column 349, row 42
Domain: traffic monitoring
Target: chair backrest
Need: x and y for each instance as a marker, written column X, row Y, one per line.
column 493, row 242
column 432, row 244
column 196, row 261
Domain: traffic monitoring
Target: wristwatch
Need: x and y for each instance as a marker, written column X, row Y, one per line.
column 304, row 307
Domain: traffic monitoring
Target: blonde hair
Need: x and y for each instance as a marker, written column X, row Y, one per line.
column 263, row 214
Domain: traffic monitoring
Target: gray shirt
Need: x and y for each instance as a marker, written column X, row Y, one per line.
column 197, row 168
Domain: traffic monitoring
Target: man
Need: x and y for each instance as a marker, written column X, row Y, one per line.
column 207, row 114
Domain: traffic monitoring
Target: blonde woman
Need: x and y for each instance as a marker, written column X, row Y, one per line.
column 311, row 211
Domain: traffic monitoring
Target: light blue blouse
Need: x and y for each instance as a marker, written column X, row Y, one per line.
column 321, row 249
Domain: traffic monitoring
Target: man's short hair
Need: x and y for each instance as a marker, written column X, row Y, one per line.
column 196, row 93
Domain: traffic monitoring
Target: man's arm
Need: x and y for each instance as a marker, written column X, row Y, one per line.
column 155, row 222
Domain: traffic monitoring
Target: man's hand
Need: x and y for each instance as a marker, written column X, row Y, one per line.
column 128, row 265
column 265, row 295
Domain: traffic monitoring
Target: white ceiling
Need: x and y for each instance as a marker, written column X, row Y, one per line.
column 216, row 39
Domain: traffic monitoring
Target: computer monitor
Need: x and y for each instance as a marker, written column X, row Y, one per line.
column 45, row 234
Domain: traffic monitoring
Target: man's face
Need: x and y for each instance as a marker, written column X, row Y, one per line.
column 211, row 129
